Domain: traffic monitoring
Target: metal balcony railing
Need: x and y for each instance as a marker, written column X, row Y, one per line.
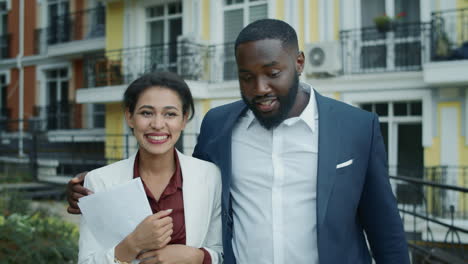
column 66, row 115
column 5, row 46
column 403, row 48
column 449, row 35
column 435, row 214
column 81, row 25
column 192, row 61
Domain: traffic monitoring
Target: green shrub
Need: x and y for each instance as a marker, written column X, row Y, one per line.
column 38, row 237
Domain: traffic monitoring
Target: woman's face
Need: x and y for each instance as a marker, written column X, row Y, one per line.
column 157, row 120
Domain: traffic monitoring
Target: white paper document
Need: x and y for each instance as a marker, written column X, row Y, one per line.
column 113, row 214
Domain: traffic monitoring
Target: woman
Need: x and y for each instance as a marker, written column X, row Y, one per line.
column 183, row 192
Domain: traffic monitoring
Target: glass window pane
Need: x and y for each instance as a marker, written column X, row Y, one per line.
column 400, row 109
column 63, row 73
column 367, row 107
column 175, row 8
column 64, row 92
column 371, row 9
column 52, row 74
column 384, row 131
column 175, row 29
column 155, row 11
column 233, row 24
column 381, row 109
column 416, row 109
column 156, row 32
column 233, row 2
column 257, row 12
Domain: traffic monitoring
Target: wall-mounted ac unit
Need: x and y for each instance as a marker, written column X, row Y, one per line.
column 323, row 57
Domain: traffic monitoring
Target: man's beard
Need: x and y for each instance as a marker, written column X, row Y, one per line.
column 286, row 103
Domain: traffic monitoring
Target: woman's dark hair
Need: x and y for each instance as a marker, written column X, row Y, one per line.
column 167, row 80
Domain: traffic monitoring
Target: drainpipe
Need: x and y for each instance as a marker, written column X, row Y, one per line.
column 19, row 64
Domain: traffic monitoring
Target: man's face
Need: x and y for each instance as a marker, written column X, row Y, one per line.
column 269, row 79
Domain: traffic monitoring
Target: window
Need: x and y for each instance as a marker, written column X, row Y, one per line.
column 398, row 49
column 4, row 38
column 59, row 21
column 401, row 128
column 58, row 109
column 237, row 15
column 164, row 26
column 4, row 113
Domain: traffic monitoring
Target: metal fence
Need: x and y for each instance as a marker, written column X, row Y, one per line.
column 436, row 227
column 192, row 61
column 403, row 48
column 80, row 25
column 449, row 35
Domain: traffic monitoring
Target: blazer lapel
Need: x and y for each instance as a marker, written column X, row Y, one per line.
column 222, row 143
column 196, row 201
column 328, row 147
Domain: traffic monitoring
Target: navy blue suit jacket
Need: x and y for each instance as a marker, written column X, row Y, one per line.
column 350, row 200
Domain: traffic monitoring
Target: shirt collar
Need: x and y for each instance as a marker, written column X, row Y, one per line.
column 309, row 114
column 176, row 179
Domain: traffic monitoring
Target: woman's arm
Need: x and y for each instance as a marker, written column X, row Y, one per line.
column 213, row 241
column 154, row 232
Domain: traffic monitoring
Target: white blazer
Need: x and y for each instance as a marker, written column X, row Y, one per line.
column 201, row 190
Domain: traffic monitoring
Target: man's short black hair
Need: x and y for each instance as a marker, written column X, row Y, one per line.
column 268, row 29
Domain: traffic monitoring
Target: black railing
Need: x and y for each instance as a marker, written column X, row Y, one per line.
column 449, row 35
column 211, row 63
column 81, row 25
column 435, row 215
column 403, row 48
column 5, row 46
column 66, row 115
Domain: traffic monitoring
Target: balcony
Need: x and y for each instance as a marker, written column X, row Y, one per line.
column 192, row 61
column 65, row 116
column 403, row 48
column 5, row 46
column 449, row 35
column 87, row 26
column 449, row 48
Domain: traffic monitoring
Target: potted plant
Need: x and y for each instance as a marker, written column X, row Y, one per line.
column 385, row 23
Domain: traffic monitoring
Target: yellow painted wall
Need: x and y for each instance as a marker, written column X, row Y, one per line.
column 114, row 25
column 205, row 20
column 115, row 142
column 314, row 20
column 301, row 24
column 336, row 17
column 206, row 106
column 462, row 4
column 280, row 9
column 337, row 96
column 432, row 154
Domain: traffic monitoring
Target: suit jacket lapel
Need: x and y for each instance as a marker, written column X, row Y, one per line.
column 328, row 148
column 222, row 143
column 196, row 202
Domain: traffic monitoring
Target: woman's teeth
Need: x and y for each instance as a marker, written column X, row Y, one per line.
column 157, row 137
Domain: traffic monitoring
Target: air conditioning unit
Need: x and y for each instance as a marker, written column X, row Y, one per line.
column 323, row 58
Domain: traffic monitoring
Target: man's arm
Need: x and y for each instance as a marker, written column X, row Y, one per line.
column 75, row 191
column 378, row 208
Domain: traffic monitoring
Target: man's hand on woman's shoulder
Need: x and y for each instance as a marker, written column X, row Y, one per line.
column 75, row 191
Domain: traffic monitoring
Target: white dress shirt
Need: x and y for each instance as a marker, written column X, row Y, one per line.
column 273, row 189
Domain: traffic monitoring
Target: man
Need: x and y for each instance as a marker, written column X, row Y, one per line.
column 304, row 177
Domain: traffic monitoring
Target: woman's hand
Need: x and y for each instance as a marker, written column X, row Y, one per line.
column 173, row 254
column 154, row 232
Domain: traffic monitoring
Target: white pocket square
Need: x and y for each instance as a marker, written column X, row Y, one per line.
column 344, row 164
